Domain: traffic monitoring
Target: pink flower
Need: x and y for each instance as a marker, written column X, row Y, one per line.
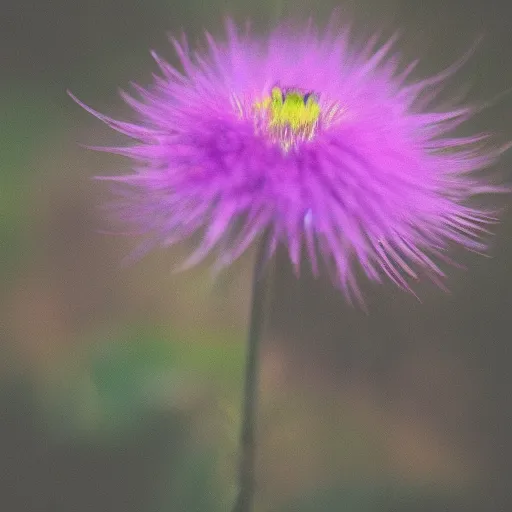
column 329, row 148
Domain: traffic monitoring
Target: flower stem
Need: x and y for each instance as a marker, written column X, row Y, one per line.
column 246, row 475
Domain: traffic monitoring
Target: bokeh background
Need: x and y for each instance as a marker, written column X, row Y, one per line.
column 120, row 387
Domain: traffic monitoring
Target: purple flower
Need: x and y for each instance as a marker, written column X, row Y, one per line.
column 329, row 148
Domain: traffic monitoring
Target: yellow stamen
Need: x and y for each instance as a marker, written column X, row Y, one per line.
column 289, row 116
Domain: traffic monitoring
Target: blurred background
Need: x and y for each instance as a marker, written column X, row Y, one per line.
column 120, row 387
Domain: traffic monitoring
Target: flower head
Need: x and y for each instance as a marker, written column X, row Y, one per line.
column 324, row 146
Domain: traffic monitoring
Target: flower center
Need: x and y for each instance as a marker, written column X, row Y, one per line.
column 287, row 117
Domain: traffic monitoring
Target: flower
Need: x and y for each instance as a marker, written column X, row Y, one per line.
column 329, row 149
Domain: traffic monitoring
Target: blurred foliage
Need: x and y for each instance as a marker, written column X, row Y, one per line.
column 130, row 401
column 27, row 123
column 118, row 381
column 196, row 485
column 369, row 497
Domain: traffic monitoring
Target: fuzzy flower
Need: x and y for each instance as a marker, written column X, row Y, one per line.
column 328, row 148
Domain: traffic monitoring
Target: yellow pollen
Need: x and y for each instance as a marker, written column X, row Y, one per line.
column 289, row 116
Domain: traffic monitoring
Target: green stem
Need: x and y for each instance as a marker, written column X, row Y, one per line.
column 244, row 502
